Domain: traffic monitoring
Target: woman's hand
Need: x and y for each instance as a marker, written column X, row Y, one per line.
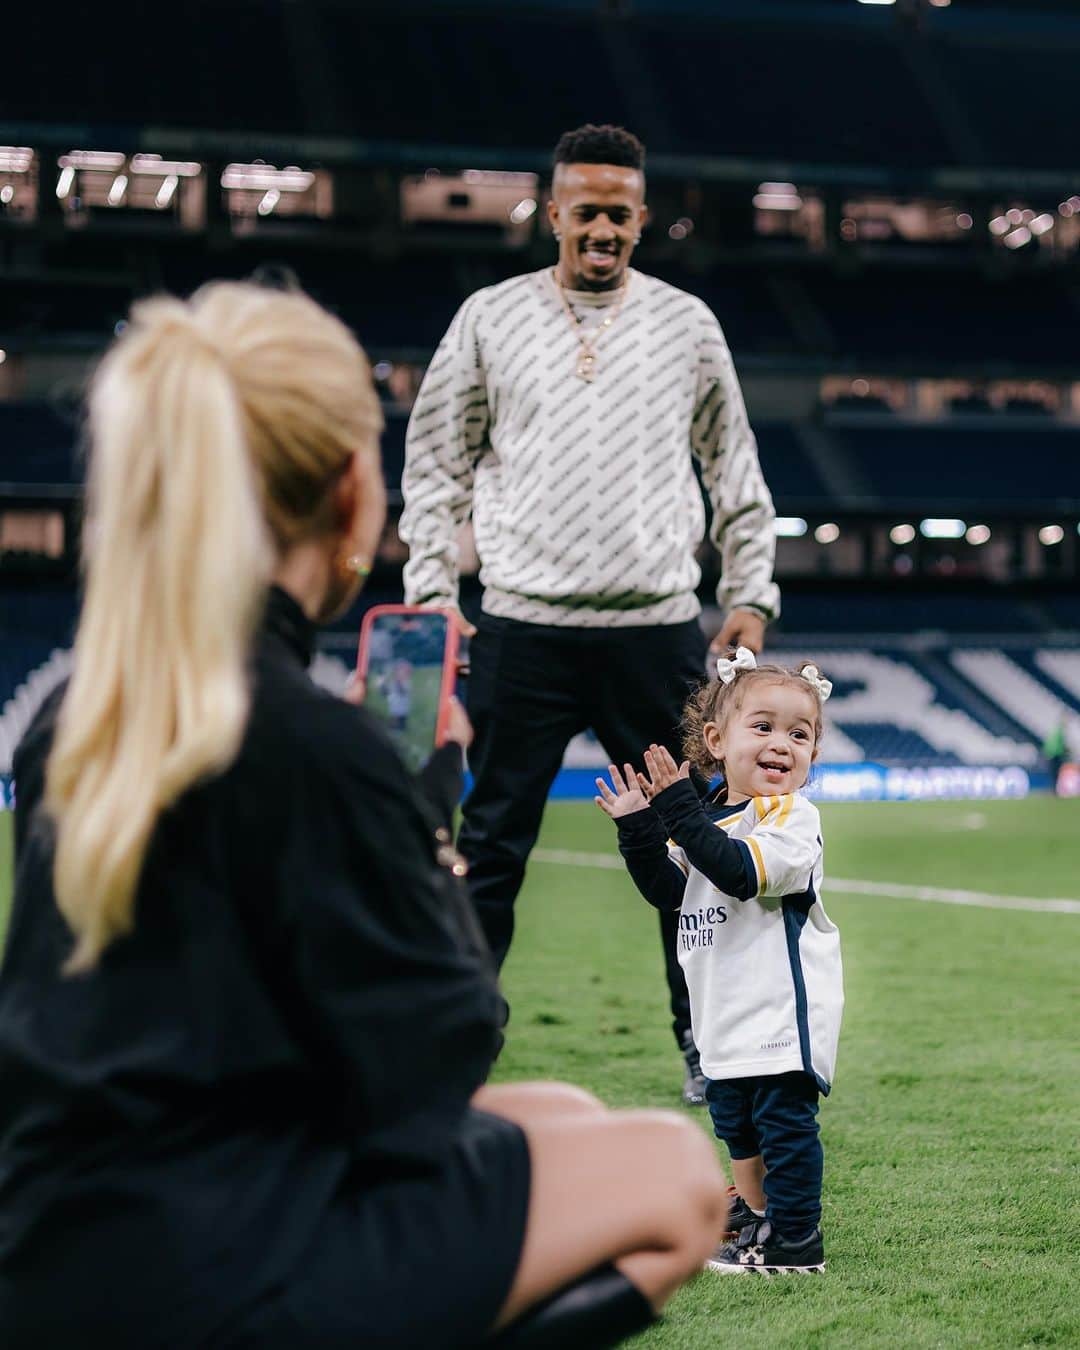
column 661, row 771
column 355, row 689
column 627, row 797
column 458, row 727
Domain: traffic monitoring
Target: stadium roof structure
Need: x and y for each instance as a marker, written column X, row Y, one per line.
column 976, row 93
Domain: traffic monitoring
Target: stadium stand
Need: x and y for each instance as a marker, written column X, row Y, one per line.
column 938, row 658
column 1031, row 464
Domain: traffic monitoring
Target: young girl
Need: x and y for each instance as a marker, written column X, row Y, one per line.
column 761, row 957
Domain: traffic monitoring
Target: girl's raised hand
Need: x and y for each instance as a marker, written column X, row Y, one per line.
column 661, row 770
column 627, row 796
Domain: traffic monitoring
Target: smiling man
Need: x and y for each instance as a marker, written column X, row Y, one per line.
column 563, row 411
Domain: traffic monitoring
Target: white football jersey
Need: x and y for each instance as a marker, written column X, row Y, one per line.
column 764, row 974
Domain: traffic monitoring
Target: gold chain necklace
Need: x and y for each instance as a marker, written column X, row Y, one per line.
column 586, row 362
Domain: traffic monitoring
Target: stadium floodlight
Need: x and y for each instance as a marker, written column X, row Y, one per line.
column 977, row 534
column 18, row 182
column 523, row 210
column 1042, row 223
column 1018, row 238
column 16, row 159
column 789, row 527
column 933, row 528
column 827, row 533
column 93, row 159
column 902, row 534
column 100, row 170
column 262, row 177
column 777, row 197
column 256, row 191
column 3, row 356
column 1050, row 535
column 109, row 183
column 877, row 2
column 473, row 199
column 167, row 173
column 999, row 226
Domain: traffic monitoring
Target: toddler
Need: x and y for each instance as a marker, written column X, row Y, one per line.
column 761, row 956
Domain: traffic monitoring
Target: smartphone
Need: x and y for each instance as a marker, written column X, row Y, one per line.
column 408, row 658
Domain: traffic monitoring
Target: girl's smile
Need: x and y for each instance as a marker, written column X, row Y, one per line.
column 767, row 746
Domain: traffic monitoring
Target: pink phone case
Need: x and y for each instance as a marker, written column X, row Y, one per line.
column 450, row 654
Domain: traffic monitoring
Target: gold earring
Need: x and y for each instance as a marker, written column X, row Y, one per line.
column 352, row 565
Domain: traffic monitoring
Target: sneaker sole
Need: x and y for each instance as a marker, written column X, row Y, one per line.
column 728, row 1268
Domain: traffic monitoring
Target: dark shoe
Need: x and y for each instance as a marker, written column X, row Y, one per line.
column 693, row 1088
column 601, row 1310
column 741, row 1215
column 760, row 1249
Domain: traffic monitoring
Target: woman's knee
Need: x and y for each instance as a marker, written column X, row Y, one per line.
column 533, row 1101
column 691, row 1178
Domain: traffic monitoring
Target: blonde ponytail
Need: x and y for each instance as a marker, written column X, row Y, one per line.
column 191, row 488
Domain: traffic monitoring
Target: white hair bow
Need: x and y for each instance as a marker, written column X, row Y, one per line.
column 818, row 681
column 728, row 668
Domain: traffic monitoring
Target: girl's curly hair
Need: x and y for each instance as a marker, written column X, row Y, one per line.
column 714, row 701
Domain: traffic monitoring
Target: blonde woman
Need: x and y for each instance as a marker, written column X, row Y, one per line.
column 233, row 924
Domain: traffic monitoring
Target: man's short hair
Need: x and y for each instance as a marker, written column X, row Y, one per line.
column 600, row 145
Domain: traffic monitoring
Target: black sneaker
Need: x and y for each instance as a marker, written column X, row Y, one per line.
column 759, row 1249
column 693, row 1088
column 740, row 1216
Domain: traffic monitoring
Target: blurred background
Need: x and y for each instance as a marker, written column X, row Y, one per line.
column 880, row 201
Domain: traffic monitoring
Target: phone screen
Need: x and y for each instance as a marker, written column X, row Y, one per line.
column 406, row 658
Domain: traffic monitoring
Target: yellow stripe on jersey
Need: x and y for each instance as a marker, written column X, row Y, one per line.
column 681, row 866
column 759, row 862
column 769, row 806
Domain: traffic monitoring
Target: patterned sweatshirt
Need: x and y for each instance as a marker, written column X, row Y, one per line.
column 585, row 505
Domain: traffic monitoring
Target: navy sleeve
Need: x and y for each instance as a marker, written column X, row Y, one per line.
column 726, row 862
column 441, row 780
column 643, row 845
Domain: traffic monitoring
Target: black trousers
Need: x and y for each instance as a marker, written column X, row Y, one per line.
column 775, row 1116
column 531, row 689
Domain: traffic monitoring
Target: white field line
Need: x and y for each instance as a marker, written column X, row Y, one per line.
column 892, row 890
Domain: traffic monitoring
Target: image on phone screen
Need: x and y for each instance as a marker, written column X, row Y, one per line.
column 406, row 656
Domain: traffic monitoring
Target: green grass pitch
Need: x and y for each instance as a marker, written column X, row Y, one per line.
column 952, row 1202
column 951, row 1186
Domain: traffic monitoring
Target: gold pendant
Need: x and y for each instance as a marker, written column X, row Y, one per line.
column 586, row 367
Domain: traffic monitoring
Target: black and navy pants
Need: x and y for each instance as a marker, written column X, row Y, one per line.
column 775, row 1116
column 533, row 687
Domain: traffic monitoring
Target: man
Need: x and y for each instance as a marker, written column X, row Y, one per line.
column 563, row 409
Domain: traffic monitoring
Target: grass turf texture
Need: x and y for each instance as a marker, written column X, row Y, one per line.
column 951, row 1190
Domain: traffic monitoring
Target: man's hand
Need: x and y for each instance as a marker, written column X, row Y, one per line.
column 627, row 797
column 742, row 628
column 662, row 770
column 465, row 628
